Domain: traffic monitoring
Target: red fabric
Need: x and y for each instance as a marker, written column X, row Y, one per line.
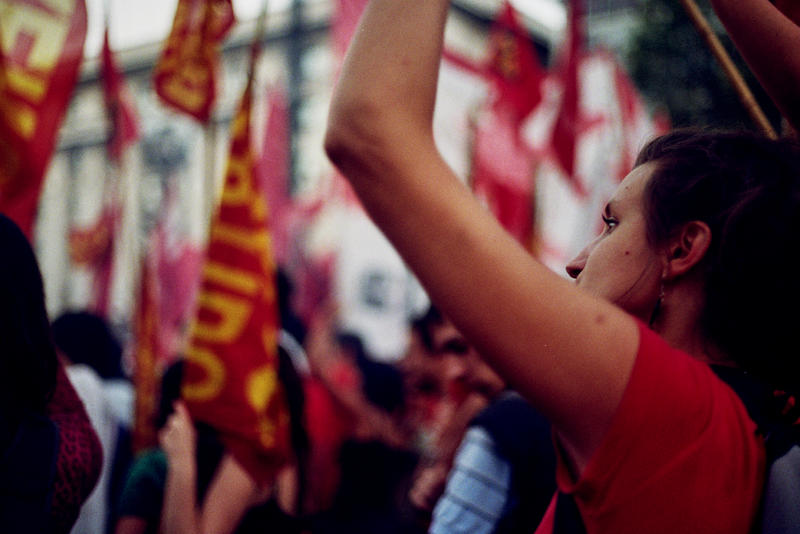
column 36, row 82
column 124, row 124
column 147, row 352
column 513, row 67
column 80, row 456
column 328, row 425
column 230, row 380
column 502, row 174
column 681, row 455
column 186, row 73
column 634, row 120
column 273, row 172
column 93, row 247
column 565, row 131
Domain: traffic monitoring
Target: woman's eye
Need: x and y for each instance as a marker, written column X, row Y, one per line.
column 610, row 223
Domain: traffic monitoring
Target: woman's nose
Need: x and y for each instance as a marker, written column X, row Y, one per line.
column 577, row 264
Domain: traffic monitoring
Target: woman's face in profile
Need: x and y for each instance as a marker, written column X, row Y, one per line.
column 619, row 265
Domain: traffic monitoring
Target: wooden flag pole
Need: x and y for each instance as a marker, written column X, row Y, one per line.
column 735, row 77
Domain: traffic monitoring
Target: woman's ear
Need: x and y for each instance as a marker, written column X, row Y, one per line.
column 687, row 249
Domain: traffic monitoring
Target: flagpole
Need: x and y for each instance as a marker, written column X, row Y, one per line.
column 735, row 77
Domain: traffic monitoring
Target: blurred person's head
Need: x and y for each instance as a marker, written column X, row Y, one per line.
column 28, row 362
column 86, row 338
column 422, row 372
column 465, row 371
column 381, row 383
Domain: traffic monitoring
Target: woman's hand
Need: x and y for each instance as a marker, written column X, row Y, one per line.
column 178, row 438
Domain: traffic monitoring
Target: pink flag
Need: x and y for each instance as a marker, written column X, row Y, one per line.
column 121, row 111
column 502, row 174
column 345, row 22
column 272, row 171
column 565, row 132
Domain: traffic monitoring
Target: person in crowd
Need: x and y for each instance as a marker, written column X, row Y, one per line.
column 470, row 385
column 233, row 501
column 766, row 33
column 50, row 457
column 424, row 384
column 370, row 452
column 190, row 484
column 92, row 357
column 686, row 274
column 503, row 475
column 143, row 492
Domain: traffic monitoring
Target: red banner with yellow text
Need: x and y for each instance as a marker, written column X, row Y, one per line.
column 186, row 72
column 41, row 48
column 231, row 379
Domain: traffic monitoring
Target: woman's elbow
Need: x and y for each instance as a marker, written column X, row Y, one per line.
column 354, row 145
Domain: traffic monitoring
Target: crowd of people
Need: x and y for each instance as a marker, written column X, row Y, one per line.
column 643, row 396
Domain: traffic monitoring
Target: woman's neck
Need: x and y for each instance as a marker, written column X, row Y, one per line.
column 679, row 324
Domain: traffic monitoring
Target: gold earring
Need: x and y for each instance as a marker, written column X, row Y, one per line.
column 658, row 306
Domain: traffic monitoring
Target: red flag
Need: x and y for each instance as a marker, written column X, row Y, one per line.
column 502, row 174
column 514, row 69
column 273, row 170
column 637, row 125
column 565, row 132
column 121, row 111
column 186, row 72
column 40, row 54
column 231, row 379
column 147, row 354
column 93, row 248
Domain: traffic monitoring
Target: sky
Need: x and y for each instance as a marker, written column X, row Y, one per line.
column 138, row 22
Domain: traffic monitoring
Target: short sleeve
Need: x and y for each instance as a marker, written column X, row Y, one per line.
column 681, row 451
column 143, row 493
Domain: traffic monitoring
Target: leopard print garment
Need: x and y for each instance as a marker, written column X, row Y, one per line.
column 80, row 456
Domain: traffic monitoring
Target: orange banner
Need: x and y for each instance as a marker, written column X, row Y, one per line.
column 41, row 48
column 186, row 72
column 231, row 379
column 146, row 358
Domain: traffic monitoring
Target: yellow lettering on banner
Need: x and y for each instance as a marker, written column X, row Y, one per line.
column 260, row 387
column 231, row 277
column 233, row 313
column 239, row 126
column 238, row 181
column 25, row 83
column 190, row 98
column 254, row 241
column 214, row 370
column 49, row 31
column 20, row 117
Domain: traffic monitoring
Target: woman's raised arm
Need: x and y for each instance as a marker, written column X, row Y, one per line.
column 569, row 353
column 769, row 40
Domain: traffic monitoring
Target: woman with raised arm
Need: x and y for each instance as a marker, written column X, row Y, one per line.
column 767, row 33
column 684, row 275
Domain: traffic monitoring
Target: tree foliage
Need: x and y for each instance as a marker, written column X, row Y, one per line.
column 677, row 73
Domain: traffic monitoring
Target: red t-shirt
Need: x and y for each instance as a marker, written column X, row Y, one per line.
column 681, row 456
